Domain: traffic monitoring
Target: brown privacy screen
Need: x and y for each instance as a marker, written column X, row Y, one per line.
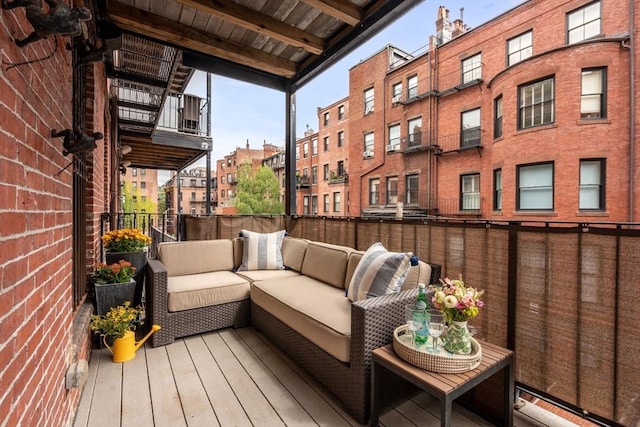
column 574, row 294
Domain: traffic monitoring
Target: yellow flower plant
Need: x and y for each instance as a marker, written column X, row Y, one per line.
column 125, row 240
column 117, row 321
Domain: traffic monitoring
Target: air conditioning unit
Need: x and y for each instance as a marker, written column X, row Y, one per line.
column 396, row 99
column 392, row 147
column 368, row 154
column 368, row 110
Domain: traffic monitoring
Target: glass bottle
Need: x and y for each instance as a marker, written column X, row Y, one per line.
column 420, row 315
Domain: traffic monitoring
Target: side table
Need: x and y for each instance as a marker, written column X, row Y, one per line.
column 445, row 387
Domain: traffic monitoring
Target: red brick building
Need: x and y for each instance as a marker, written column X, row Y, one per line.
column 529, row 116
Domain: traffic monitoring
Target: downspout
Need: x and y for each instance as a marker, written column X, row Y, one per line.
column 208, row 155
column 434, row 127
column 632, row 108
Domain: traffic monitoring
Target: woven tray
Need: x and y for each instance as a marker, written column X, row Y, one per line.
column 441, row 361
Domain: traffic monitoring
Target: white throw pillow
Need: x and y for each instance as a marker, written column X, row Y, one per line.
column 261, row 251
column 379, row 272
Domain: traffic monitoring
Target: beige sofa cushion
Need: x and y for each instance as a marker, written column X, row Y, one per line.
column 293, row 251
column 327, row 263
column 320, row 313
column 196, row 256
column 258, row 275
column 201, row 290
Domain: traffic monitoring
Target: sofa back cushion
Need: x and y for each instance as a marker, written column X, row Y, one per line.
column 327, row 263
column 293, row 251
column 196, row 256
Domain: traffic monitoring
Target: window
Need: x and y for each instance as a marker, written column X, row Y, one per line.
column 412, row 190
column 583, row 23
column 497, row 190
column 134, row 172
column 415, row 132
column 392, row 190
column 368, row 145
column 341, row 112
column 472, row 69
column 396, row 93
column 193, row 182
column 134, row 185
column 305, row 150
column 497, row 117
column 412, row 87
column 374, row 191
column 143, row 184
column 325, row 172
column 229, row 178
column 305, row 171
column 326, row 203
column 297, row 152
column 336, row 202
column 325, row 142
column 314, row 147
column 314, row 205
column 470, row 129
column 314, row 174
column 222, row 179
column 305, row 205
column 144, row 199
column 203, row 183
column 519, row 48
column 535, row 187
column 593, row 100
column 143, row 171
column 536, row 104
column 222, row 193
column 470, row 192
column 368, row 101
column 341, row 171
column 340, row 138
column 592, row 173
column 193, row 196
column 326, row 118
column 394, row 138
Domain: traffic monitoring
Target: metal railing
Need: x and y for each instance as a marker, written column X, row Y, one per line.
column 459, row 141
column 184, row 113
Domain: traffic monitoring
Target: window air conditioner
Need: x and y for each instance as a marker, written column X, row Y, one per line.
column 396, row 99
column 392, row 147
column 368, row 110
column 368, row 154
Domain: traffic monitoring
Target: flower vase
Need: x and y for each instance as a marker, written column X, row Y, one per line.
column 457, row 339
column 139, row 261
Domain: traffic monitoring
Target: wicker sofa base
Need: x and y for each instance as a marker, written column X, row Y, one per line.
column 349, row 383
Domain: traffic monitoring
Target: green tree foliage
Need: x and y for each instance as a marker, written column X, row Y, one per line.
column 258, row 192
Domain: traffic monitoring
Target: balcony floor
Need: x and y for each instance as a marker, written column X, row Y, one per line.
column 229, row 377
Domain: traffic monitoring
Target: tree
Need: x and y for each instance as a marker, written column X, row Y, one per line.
column 132, row 202
column 258, row 191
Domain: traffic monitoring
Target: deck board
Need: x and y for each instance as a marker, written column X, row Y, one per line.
column 231, row 377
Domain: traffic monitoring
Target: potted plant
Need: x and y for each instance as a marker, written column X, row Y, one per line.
column 114, row 284
column 119, row 323
column 128, row 244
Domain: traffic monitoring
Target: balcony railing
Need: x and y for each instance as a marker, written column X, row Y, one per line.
column 409, row 143
column 338, row 176
column 302, row 181
column 185, row 113
column 457, row 142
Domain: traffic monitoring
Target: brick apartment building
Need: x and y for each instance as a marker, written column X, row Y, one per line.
column 144, row 186
column 227, row 168
column 189, row 196
column 525, row 117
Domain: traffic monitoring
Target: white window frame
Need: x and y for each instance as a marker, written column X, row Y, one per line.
column 470, row 192
column 411, row 192
column 519, row 48
column 593, row 97
column 369, row 98
column 412, row 86
column 472, row 68
column 374, row 191
column 592, row 185
column 536, row 103
column 535, row 187
column 470, row 135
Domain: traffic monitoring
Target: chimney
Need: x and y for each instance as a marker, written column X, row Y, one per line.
column 443, row 26
column 247, row 143
column 458, row 25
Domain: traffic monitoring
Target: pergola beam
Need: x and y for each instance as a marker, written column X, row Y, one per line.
column 345, row 11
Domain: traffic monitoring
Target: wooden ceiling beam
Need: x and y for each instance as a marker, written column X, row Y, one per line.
column 259, row 23
column 345, row 11
column 148, row 24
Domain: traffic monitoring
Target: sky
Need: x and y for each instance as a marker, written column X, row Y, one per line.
column 243, row 111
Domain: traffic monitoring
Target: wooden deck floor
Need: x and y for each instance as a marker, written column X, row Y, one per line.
column 227, row 378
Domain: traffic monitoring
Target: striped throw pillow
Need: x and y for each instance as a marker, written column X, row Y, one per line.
column 261, row 251
column 379, row 272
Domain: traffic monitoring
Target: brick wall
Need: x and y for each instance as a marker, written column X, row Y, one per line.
column 36, row 213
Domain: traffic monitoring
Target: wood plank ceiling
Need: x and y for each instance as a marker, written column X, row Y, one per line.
column 280, row 44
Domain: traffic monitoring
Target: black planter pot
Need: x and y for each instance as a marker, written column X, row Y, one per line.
column 139, row 261
column 111, row 295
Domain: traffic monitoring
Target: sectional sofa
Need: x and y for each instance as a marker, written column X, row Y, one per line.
column 315, row 301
